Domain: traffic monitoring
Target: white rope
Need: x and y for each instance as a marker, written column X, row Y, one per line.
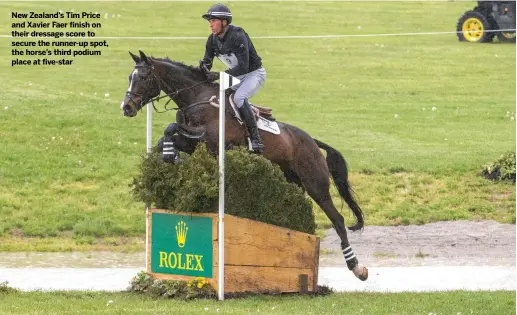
column 238, row 1
column 257, row 37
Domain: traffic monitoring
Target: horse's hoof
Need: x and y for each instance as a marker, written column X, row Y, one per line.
column 361, row 272
column 364, row 274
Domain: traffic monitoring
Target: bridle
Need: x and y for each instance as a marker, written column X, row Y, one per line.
column 161, row 84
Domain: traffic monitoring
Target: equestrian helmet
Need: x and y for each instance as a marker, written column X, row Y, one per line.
column 218, row 11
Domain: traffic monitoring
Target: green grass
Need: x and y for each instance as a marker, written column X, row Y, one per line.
column 65, row 243
column 456, row 302
column 68, row 155
column 405, row 198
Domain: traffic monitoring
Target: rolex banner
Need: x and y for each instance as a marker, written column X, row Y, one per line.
column 181, row 245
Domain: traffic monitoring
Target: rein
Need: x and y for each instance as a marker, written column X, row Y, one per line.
column 161, row 83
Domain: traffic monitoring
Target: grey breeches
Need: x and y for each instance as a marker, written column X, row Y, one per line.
column 249, row 85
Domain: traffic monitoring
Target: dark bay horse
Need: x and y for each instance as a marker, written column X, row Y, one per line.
column 295, row 151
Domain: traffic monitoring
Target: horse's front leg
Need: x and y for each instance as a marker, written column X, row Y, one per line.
column 172, row 143
column 185, row 144
column 166, row 144
column 167, row 148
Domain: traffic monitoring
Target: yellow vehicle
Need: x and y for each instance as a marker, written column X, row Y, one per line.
column 487, row 20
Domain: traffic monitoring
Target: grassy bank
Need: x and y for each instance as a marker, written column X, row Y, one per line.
column 416, row 117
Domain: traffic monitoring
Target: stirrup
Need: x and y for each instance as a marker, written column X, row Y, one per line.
column 259, row 149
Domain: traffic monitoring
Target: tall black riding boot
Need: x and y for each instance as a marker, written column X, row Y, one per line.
column 251, row 123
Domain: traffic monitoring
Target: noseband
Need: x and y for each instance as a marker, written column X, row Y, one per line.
column 161, row 84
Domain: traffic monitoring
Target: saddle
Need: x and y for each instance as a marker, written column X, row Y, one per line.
column 263, row 115
column 260, row 111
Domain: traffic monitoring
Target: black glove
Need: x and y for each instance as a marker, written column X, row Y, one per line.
column 203, row 66
column 212, row 76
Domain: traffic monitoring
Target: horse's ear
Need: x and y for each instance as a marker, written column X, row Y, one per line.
column 144, row 58
column 135, row 58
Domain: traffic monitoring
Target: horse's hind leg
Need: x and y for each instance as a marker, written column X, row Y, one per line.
column 292, row 177
column 317, row 185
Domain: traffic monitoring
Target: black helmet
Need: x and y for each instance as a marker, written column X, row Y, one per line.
column 218, row 11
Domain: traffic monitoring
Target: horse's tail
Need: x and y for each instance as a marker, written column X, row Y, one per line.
column 338, row 169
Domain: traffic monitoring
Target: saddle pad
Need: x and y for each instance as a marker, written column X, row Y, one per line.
column 267, row 125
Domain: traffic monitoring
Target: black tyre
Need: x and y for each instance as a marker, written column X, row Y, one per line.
column 474, row 27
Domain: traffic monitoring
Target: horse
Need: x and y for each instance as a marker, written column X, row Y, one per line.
column 197, row 119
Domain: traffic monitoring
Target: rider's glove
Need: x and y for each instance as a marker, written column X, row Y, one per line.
column 204, row 66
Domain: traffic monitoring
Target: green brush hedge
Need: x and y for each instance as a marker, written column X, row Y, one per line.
column 254, row 188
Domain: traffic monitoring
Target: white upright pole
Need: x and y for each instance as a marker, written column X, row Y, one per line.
column 149, row 131
column 222, row 107
column 149, row 128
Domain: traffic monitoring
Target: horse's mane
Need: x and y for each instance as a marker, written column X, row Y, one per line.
column 195, row 70
column 166, row 59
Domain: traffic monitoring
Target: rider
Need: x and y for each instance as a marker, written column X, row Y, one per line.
column 232, row 45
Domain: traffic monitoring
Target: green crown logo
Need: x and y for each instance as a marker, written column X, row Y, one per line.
column 181, row 233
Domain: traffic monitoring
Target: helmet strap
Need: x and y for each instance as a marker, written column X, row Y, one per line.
column 224, row 28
